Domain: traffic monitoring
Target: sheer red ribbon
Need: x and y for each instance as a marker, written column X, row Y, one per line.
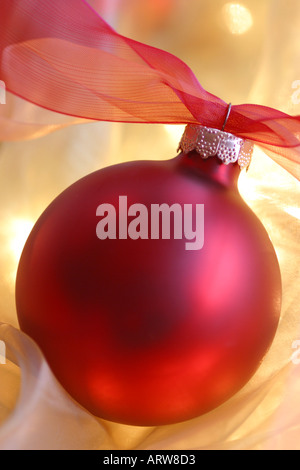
column 64, row 57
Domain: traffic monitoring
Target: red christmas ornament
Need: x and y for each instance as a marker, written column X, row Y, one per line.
column 146, row 324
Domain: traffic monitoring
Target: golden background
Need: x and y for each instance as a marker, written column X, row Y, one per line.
column 242, row 52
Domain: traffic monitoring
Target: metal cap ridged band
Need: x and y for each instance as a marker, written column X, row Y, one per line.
column 209, row 142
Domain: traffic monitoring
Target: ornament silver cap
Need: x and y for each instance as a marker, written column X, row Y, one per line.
column 210, row 142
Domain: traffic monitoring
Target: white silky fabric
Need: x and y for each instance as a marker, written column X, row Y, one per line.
column 45, row 417
column 35, row 411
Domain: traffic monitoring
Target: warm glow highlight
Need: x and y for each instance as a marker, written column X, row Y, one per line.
column 20, row 229
column 175, row 132
column 238, row 18
column 293, row 211
column 15, row 231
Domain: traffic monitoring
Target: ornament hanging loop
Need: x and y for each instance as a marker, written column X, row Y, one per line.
column 227, row 116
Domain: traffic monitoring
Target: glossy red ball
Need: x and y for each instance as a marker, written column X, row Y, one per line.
column 144, row 331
